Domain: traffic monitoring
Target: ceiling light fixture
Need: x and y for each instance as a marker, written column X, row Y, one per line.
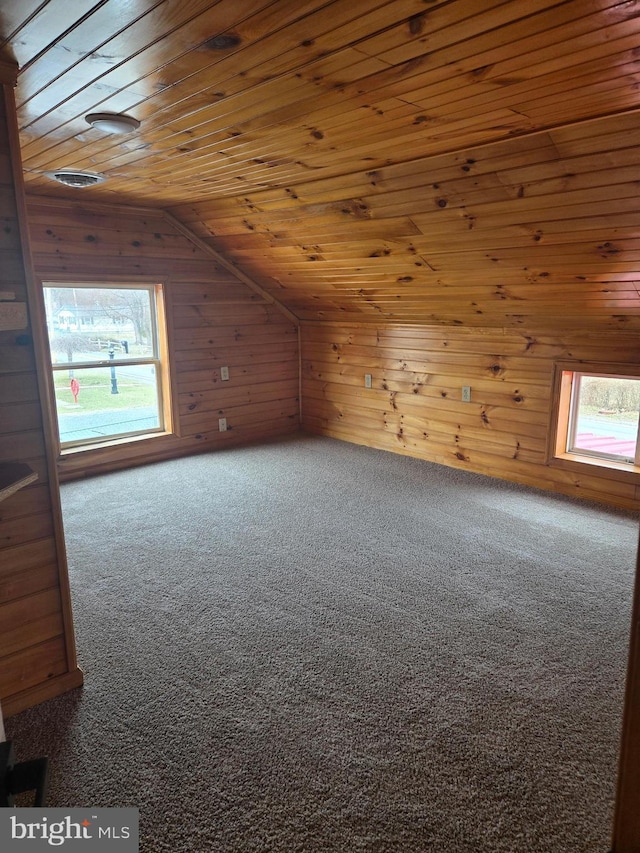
column 74, row 178
column 112, row 122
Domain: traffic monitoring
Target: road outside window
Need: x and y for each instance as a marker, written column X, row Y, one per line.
column 106, row 359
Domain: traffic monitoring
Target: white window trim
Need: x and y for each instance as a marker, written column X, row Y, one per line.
column 576, row 384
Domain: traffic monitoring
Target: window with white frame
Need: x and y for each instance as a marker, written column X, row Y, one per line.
column 597, row 411
column 108, row 355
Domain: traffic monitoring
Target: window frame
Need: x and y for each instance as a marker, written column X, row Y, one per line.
column 561, row 419
column 578, row 376
column 159, row 359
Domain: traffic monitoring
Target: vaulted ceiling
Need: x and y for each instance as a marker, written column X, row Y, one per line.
column 437, row 161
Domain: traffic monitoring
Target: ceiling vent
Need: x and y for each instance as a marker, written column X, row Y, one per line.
column 71, row 178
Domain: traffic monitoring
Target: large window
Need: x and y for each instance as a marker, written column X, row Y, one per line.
column 597, row 414
column 108, row 356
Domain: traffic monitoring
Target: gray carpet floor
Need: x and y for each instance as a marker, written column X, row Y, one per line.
column 317, row 647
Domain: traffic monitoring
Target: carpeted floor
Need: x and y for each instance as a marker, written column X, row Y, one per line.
column 316, row 647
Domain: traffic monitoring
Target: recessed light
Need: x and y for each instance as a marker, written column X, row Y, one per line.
column 112, row 122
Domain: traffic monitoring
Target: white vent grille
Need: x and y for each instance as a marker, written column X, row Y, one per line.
column 70, row 178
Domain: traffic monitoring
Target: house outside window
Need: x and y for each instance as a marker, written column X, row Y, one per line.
column 108, row 355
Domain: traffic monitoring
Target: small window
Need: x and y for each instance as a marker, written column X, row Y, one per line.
column 604, row 416
column 597, row 414
column 108, row 354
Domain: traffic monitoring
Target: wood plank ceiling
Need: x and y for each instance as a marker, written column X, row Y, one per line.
column 470, row 162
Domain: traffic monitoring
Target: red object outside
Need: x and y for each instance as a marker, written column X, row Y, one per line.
column 75, row 390
column 606, row 444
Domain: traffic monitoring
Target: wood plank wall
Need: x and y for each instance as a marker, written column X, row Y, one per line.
column 414, row 406
column 37, row 651
column 214, row 320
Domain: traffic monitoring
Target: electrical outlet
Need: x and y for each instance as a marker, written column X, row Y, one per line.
column 224, row 373
column 367, row 380
column 222, row 424
column 466, row 393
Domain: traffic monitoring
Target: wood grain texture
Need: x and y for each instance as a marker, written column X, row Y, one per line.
column 512, row 234
column 415, row 405
column 447, row 163
column 13, row 477
column 36, row 631
column 443, row 192
column 215, row 320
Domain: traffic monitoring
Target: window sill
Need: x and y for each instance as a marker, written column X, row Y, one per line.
column 112, row 442
column 623, row 472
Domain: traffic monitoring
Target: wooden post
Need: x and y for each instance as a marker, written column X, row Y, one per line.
column 38, row 656
column 626, row 824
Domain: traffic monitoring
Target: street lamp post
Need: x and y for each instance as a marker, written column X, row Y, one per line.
column 114, row 381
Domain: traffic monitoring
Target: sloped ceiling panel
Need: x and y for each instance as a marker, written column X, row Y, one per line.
column 438, row 161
